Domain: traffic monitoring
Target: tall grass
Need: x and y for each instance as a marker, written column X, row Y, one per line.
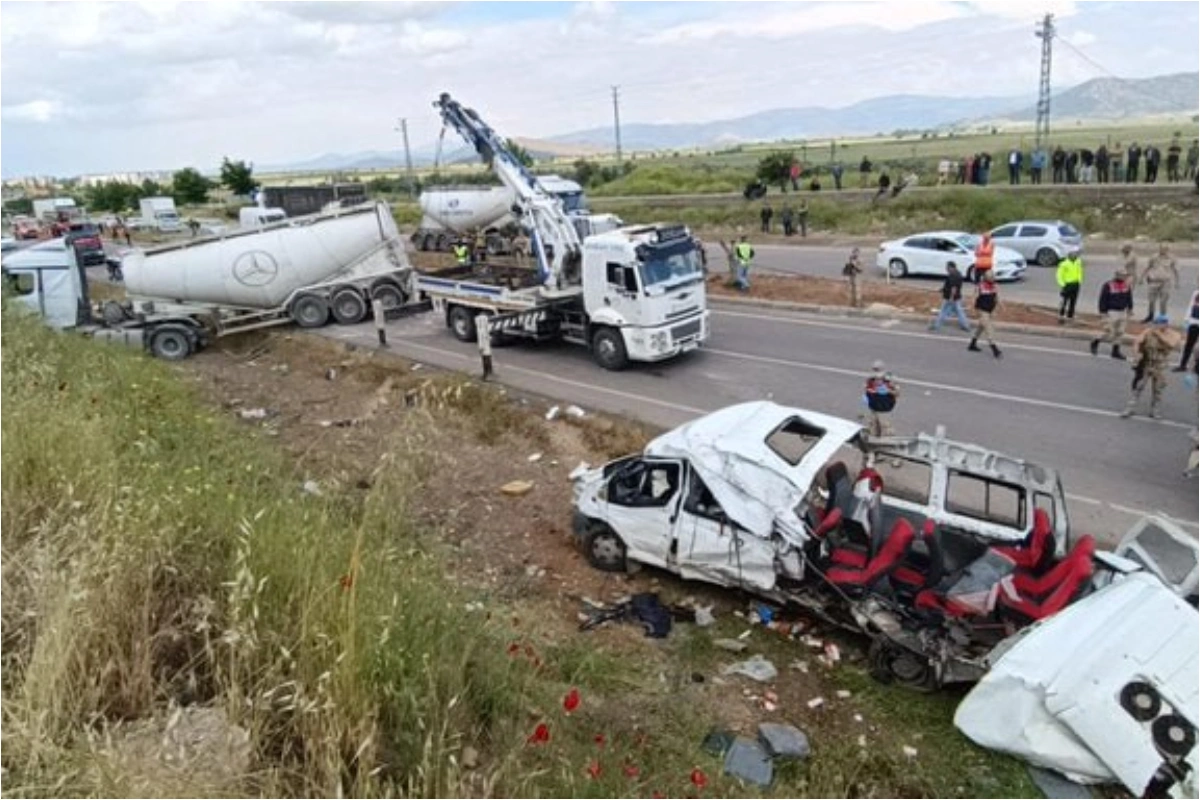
column 155, row 554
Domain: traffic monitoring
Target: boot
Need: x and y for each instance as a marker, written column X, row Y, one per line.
column 1155, row 413
column 996, row 351
column 1094, row 346
column 1116, row 352
column 973, row 346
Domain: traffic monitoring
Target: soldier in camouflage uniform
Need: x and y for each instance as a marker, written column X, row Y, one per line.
column 1151, row 352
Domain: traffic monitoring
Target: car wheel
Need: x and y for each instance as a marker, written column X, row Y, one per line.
column 1046, row 257
column 897, row 268
column 604, row 549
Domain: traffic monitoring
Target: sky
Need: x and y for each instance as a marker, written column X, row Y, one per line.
column 98, row 87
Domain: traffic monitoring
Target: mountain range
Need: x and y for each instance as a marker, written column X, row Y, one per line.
column 1099, row 99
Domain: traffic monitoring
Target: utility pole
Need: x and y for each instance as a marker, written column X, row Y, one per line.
column 1045, row 32
column 407, row 155
column 617, row 120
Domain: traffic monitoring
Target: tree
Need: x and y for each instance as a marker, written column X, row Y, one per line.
column 237, row 176
column 189, row 187
column 520, row 153
column 19, row 205
column 776, row 167
column 585, row 172
column 113, row 196
column 151, row 188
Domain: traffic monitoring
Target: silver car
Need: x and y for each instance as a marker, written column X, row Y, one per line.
column 1042, row 242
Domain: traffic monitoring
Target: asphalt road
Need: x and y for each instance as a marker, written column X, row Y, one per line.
column 1046, row 401
column 1039, row 285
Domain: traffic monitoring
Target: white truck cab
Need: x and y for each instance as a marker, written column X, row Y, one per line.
column 258, row 216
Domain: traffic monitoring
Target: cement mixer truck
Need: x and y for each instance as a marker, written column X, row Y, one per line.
column 451, row 212
column 305, row 270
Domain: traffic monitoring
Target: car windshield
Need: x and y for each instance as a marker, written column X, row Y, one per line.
column 671, row 268
column 967, row 240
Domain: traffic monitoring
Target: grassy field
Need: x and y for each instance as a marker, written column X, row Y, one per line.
column 158, row 554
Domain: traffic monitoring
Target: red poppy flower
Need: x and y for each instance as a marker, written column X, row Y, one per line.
column 699, row 779
column 571, row 701
column 540, row 735
column 593, row 770
column 599, row 740
column 631, row 771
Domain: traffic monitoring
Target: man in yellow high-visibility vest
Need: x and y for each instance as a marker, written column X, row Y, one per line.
column 462, row 254
column 744, row 254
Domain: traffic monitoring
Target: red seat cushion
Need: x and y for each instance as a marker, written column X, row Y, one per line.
column 1034, row 554
column 889, row 555
column 908, row 576
column 1039, row 596
column 844, row 556
column 832, row 518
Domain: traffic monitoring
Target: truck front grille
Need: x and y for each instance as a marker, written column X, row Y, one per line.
column 687, row 330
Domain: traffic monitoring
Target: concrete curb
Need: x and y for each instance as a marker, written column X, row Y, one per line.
column 1084, row 335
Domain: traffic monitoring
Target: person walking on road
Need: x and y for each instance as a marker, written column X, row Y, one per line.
column 1116, row 308
column 1070, row 279
column 852, row 270
column 951, row 300
column 879, row 396
column 765, row 215
column 745, row 255
column 987, row 300
column 1193, row 331
column 1160, row 271
column 1150, row 354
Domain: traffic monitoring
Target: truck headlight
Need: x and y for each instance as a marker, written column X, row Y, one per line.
column 658, row 341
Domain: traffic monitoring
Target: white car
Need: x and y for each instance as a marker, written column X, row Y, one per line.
column 928, row 254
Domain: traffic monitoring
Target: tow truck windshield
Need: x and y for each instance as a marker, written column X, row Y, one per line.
column 669, row 267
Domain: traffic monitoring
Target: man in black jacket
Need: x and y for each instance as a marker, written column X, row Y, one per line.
column 1058, row 163
column 1131, row 169
column 951, row 300
column 1116, row 307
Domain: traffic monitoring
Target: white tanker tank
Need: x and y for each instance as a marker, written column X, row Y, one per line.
column 265, row 268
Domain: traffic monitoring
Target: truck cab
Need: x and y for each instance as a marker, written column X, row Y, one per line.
column 648, row 283
column 48, row 279
column 259, row 216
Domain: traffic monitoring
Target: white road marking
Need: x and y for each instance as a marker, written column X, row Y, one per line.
column 1100, row 412
column 957, row 340
column 699, row 412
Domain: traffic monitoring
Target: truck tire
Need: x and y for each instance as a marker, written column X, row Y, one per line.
column 494, row 244
column 388, row 293
column 310, row 311
column 604, row 549
column 426, row 242
column 442, row 243
column 461, row 321
column 171, row 342
column 348, row 306
column 608, row 348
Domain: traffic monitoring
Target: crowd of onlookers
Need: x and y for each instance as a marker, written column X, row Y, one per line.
column 1118, row 164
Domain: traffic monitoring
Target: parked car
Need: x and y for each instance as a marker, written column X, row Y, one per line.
column 26, row 228
column 1040, row 242
column 85, row 238
column 927, row 254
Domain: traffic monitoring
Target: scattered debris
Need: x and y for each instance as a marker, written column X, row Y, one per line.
column 862, row 740
column 534, row 571
column 909, row 751
column 843, row 694
column 579, row 470
column 732, row 645
column 517, row 488
column 858, row 717
column 339, row 423
column 416, row 367
column 744, row 635
column 704, row 616
column 331, row 374
column 552, row 414
column 783, row 741
column 643, row 608
column 756, row 668
column 832, row 653
column 717, row 742
column 254, row 413
column 311, row 487
column 576, row 412
column 470, row 757
column 801, row 666
column 534, row 458
column 813, row 642
column 816, row 702
column 748, row 761
column 1055, row 786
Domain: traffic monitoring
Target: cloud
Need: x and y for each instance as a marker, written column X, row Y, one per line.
column 421, row 40
column 35, row 111
column 1081, row 38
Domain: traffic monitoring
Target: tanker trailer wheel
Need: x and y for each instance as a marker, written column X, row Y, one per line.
column 171, row 342
column 389, row 294
column 348, row 306
column 462, row 323
column 442, row 243
column 310, row 311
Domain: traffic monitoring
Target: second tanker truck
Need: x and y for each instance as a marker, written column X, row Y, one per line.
column 450, row 213
column 180, row 297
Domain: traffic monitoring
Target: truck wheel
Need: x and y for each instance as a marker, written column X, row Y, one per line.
column 604, row 549
column 389, row 294
column 171, row 343
column 427, row 242
column 462, row 323
column 608, row 348
column 348, row 306
column 494, row 245
column 310, row 311
column 888, row 663
column 442, row 243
